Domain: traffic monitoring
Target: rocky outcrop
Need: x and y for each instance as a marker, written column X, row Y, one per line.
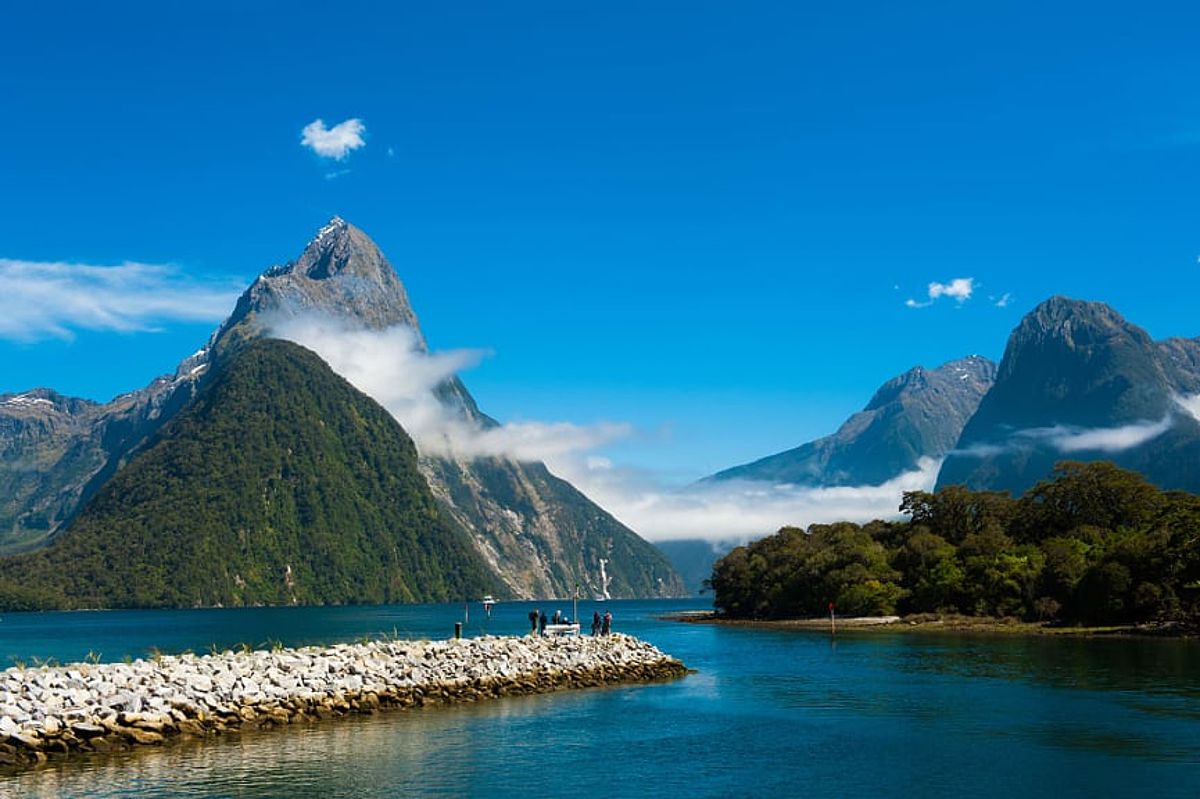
column 62, row 711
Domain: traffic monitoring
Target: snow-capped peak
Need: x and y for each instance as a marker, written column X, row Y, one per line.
column 334, row 224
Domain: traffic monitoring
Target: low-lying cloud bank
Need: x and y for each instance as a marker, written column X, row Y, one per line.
column 1069, row 439
column 392, row 367
column 734, row 510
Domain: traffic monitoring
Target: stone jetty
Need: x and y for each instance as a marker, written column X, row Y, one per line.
column 58, row 711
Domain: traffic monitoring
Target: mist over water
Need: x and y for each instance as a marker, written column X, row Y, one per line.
column 766, row 714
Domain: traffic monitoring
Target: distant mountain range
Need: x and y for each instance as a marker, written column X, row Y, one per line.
column 535, row 534
column 1077, row 381
column 919, row 414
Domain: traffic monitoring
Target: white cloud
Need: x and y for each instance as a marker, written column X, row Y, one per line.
column 1069, row 439
column 336, row 142
column 960, row 289
column 1190, row 404
column 733, row 510
column 337, row 173
column 1106, row 439
column 1003, row 300
column 50, row 299
column 391, row 367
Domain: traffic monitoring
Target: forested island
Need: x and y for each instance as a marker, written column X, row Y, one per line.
column 1093, row 544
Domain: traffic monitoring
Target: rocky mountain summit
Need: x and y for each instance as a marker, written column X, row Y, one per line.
column 916, row 415
column 1078, row 381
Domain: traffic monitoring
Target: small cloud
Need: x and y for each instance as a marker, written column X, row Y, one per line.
column 390, row 152
column 1069, row 439
column 41, row 299
column 336, row 142
column 337, row 173
column 1106, row 439
column 1003, row 300
column 960, row 288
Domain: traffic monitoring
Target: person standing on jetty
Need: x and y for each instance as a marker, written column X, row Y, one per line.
column 533, row 621
column 542, row 623
column 595, row 623
column 607, row 628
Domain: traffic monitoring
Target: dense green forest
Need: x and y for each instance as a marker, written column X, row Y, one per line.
column 280, row 483
column 1094, row 544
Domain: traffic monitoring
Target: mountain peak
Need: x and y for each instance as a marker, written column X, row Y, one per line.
column 341, row 273
column 1077, row 380
column 974, row 371
column 338, row 248
column 1062, row 327
column 1059, row 315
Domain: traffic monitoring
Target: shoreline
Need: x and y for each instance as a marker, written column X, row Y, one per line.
column 59, row 712
column 931, row 623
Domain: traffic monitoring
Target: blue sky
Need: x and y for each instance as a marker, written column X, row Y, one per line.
column 703, row 219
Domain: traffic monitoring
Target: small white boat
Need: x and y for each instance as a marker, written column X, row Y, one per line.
column 563, row 629
column 488, row 602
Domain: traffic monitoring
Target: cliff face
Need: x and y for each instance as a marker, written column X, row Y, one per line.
column 543, row 536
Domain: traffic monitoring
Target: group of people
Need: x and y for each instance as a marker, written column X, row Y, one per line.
column 601, row 625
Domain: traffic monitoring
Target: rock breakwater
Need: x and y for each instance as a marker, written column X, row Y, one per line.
column 56, row 711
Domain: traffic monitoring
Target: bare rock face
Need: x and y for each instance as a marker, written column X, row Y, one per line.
column 340, row 272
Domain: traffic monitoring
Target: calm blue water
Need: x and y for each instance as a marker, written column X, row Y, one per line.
column 767, row 714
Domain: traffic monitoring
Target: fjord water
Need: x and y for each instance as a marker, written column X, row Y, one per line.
column 767, row 713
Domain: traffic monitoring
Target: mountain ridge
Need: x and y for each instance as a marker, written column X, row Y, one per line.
column 917, row 414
